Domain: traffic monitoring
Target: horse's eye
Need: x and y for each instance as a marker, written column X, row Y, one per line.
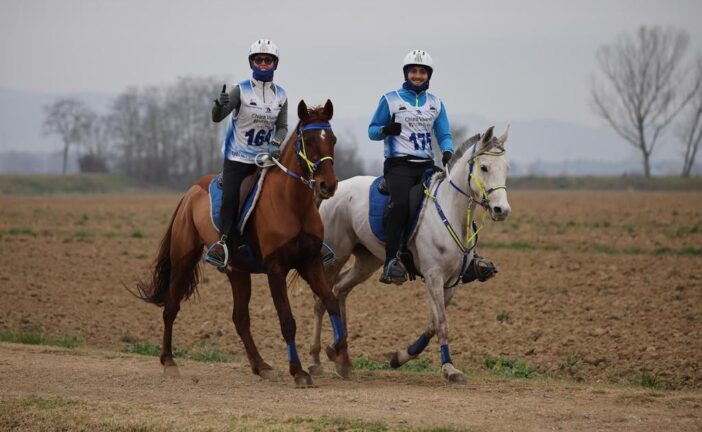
column 483, row 168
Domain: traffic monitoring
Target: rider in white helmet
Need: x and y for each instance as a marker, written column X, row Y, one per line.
column 411, row 122
column 258, row 124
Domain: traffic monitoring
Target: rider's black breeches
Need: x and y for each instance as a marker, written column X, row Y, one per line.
column 400, row 176
column 233, row 173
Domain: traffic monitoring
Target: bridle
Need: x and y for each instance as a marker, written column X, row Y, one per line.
column 301, row 152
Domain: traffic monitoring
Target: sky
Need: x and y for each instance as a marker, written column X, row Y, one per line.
column 503, row 60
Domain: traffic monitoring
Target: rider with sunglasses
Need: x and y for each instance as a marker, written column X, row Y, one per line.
column 259, row 123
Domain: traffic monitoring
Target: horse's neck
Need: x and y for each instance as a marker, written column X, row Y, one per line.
column 288, row 187
column 453, row 203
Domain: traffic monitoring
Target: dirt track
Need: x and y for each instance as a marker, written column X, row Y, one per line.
column 593, row 287
column 100, row 389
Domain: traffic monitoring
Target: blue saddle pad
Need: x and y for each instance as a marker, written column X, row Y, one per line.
column 216, row 200
column 376, row 209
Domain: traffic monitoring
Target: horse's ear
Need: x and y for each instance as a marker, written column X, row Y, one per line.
column 486, row 139
column 503, row 138
column 302, row 112
column 328, row 109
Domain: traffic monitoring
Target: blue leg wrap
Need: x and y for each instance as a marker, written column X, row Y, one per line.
column 292, row 353
column 418, row 345
column 338, row 327
column 445, row 355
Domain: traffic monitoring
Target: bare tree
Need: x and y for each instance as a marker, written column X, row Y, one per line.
column 640, row 94
column 690, row 132
column 67, row 118
column 347, row 162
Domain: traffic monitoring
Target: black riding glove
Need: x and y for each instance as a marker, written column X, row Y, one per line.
column 446, row 157
column 274, row 150
column 392, row 128
column 223, row 99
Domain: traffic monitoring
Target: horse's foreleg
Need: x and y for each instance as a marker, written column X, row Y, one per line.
column 313, row 273
column 435, row 288
column 241, row 291
column 279, row 292
column 402, row 356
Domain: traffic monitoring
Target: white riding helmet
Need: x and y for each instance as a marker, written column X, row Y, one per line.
column 264, row 46
column 418, row 57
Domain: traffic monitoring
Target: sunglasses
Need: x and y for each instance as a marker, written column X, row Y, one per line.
column 263, row 60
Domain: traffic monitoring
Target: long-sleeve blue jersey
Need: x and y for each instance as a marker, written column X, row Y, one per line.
column 411, row 111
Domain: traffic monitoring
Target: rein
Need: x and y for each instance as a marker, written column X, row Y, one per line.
column 301, row 152
column 483, row 200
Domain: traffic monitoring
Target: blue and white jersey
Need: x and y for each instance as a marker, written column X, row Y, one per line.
column 417, row 125
column 251, row 130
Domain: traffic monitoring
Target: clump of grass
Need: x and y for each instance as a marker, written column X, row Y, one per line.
column 340, row 424
column 571, row 362
column 684, row 230
column 136, row 234
column 509, row 367
column 519, row 245
column 83, row 234
column 211, row 355
column 503, row 317
column 143, row 348
column 83, row 219
column 20, row 231
column 34, row 338
column 649, row 380
column 605, row 250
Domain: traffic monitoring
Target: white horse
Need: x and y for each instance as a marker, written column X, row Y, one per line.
column 477, row 176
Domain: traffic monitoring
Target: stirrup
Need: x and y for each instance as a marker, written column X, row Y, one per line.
column 328, row 255
column 394, row 272
column 215, row 256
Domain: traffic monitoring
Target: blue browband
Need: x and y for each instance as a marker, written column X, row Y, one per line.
column 315, row 126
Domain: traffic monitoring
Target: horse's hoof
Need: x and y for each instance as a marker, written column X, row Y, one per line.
column 395, row 361
column 171, row 370
column 316, row 370
column 268, row 374
column 452, row 375
column 303, row 381
column 343, row 370
column 331, row 352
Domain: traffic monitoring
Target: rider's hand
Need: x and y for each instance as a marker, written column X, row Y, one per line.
column 446, row 157
column 274, row 150
column 223, row 99
column 392, row 128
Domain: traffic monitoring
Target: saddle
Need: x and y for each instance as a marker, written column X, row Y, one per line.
column 378, row 214
column 246, row 257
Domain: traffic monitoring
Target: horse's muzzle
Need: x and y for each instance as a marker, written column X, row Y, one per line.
column 326, row 190
column 499, row 213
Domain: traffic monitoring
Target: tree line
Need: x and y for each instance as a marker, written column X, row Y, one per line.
column 160, row 135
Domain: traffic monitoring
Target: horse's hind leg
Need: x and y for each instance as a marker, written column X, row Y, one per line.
column 364, row 266
column 279, row 292
column 241, row 291
column 183, row 276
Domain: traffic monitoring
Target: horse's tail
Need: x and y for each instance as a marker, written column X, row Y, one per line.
column 155, row 291
column 293, row 278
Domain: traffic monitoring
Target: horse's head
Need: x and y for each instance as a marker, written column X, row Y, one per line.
column 316, row 142
column 487, row 172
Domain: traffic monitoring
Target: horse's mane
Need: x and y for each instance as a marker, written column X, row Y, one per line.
column 462, row 150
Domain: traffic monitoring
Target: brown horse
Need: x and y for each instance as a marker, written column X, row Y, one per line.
column 285, row 232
